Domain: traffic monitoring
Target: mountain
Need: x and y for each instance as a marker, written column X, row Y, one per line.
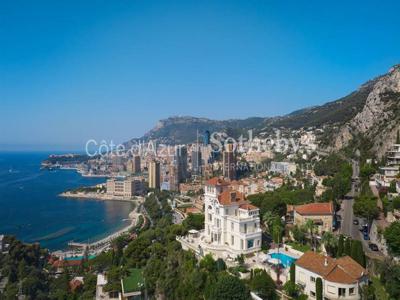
column 379, row 119
column 183, row 130
column 373, row 111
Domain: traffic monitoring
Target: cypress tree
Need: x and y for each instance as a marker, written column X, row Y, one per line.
column 318, row 288
column 340, row 248
column 347, row 247
column 357, row 252
column 293, row 273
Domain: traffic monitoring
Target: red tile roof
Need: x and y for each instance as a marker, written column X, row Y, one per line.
column 248, row 206
column 229, row 197
column 342, row 270
column 217, row 181
column 316, row 209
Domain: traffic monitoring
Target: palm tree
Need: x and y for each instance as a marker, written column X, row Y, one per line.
column 268, row 218
column 310, row 226
column 330, row 241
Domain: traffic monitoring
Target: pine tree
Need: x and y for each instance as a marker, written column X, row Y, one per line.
column 340, row 249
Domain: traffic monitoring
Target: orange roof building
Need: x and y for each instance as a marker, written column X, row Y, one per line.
column 341, row 277
column 232, row 224
column 321, row 214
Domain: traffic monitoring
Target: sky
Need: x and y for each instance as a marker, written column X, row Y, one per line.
column 71, row 71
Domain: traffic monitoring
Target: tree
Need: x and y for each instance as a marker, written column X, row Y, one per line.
column 293, row 273
column 330, row 242
column 340, row 249
column 390, row 276
column 392, row 234
column 366, row 207
column 230, row 288
column 208, row 263
column 347, row 246
column 318, row 288
column 263, row 285
column 357, row 252
column 310, row 226
column 194, row 221
column 291, row 289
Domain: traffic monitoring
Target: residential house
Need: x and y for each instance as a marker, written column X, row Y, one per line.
column 322, row 215
column 342, row 278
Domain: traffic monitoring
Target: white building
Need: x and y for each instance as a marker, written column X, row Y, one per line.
column 393, row 155
column 342, row 278
column 125, row 188
column 284, row 168
column 231, row 223
column 386, row 175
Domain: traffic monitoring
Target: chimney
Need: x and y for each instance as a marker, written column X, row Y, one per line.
column 326, row 262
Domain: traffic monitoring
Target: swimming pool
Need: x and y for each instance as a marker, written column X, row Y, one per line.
column 79, row 257
column 285, row 259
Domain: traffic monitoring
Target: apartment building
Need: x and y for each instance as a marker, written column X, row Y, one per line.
column 125, row 188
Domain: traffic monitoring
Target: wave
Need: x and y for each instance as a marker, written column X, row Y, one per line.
column 54, row 235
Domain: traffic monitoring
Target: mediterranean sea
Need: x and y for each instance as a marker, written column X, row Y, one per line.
column 31, row 209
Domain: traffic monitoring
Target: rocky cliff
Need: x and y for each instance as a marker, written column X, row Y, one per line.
column 379, row 118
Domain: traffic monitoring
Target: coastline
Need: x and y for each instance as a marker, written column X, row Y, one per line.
column 97, row 246
column 97, row 196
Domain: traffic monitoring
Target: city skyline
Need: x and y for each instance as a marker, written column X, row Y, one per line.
column 74, row 71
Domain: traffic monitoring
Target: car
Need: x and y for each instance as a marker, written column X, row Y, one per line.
column 373, row 247
column 355, row 222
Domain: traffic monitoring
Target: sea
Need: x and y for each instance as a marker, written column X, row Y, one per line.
column 31, row 209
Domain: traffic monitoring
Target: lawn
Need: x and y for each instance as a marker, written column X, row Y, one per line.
column 133, row 282
column 299, row 247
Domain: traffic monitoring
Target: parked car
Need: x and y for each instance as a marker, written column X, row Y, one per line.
column 373, row 247
column 355, row 222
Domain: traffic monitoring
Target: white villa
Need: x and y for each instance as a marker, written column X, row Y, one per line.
column 342, row 278
column 232, row 225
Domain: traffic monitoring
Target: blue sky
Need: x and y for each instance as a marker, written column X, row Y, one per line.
column 75, row 70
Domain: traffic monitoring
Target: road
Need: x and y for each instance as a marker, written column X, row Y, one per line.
column 347, row 213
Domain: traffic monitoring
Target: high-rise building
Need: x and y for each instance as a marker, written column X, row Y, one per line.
column 136, row 164
column 181, row 162
column 196, row 161
column 173, row 178
column 229, row 162
column 133, row 165
column 154, row 175
column 206, row 137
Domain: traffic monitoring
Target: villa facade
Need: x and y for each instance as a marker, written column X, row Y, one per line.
column 231, row 222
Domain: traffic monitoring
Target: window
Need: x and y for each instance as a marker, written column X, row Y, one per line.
column 241, row 244
column 217, row 211
column 351, row 291
column 245, row 228
column 250, row 244
column 232, row 240
column 312, row 279
column 312, row 294
column 209, row 217
column 342, row 292
column 232, row 226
